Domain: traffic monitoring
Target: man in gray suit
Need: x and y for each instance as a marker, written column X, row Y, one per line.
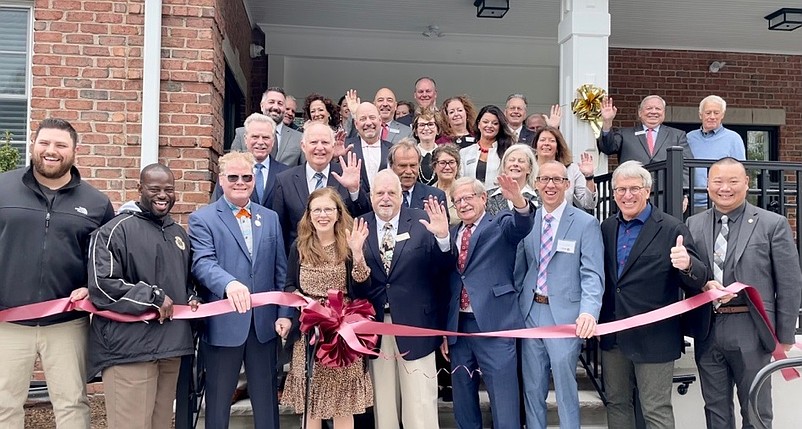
column 559, row 268
column 647, row 142
column 742, row 243
column 287, row 147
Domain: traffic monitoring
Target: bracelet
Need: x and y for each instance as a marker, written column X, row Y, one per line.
column 591, row 177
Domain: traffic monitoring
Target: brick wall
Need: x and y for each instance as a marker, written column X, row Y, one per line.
column 682, row 78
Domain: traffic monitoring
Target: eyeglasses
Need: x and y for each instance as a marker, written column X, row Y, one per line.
column 233, row 178
column 466, row 199
column 327, row 210
column 427, row 124
column 444, row 163
column 632, row 190
column 544, row 180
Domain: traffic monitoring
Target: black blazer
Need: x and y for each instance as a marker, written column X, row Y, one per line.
column 385, row 151
column 648, row 282
column 416, row 285
column 291, row 194
column 267, row 199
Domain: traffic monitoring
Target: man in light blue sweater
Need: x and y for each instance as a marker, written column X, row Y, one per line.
column 712, row 141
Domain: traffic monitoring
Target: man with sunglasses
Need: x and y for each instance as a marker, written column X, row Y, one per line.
column 559, row 270
column 260, row 137
column 649, row 257
column 237, row 250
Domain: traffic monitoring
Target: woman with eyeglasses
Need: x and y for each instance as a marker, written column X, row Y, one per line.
column 518, row 163
column 482, row 160
column 425, row 129
column 550, row 145
column 445, row 162
column 327, row 255
column 458, row 117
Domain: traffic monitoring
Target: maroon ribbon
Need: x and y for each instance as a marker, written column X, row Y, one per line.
column 338, row 344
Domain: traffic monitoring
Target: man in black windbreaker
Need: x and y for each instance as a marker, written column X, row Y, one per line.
column 138, row 264
column 46, row 215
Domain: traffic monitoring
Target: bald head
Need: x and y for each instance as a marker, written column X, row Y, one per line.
column 368, row 122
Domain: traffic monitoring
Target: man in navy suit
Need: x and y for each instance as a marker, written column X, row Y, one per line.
column 404, row 158
column 238, row 250
column 294, row 185
column 368, row 146
column 483, row 298
column 407, row 252
column 260, row 135
column 558, row 269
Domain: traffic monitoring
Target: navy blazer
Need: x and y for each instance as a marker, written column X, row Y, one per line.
column 421, row 192
column 648, row 282
column 291, row 194
column 267, row 198
column 488, row 275
column 415, row 287
column 385, row 152
column 220, row 256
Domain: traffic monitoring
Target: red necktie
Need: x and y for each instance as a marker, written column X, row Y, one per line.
column 464, row 299
column 650, row 141
column 243, row 213
column 385, row 131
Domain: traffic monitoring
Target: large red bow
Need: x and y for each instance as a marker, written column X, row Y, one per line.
column 338, row 344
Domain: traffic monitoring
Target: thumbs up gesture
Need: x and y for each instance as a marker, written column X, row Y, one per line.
column 679, row 255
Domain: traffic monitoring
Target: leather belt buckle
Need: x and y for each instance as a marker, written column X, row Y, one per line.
column 541, row 299
column 732, row 309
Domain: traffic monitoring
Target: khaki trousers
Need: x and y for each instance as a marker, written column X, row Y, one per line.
column 140, row 395
column 405, row 391
column 62, row 350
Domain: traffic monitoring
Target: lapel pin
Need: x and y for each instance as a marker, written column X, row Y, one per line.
column 257, row 223
column 751, row 220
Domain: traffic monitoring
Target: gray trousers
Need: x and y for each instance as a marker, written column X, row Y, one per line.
column 732, row 355
column 653, row 381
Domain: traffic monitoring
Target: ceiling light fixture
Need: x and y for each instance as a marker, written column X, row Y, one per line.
column 491, row 8
column 433, row 31
column 785, row 19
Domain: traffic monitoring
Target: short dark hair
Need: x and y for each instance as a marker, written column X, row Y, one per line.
column 154, row 167
column 278, row 89
column 58, row 124
column 404, row 103
column 727, row 160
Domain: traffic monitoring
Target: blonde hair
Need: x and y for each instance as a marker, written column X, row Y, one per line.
column 309, row 248
column 233, row 158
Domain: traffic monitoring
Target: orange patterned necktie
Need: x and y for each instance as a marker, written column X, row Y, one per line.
column 243, row 213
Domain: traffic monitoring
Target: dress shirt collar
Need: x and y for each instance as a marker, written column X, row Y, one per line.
column 234, row 208
column 712, row 132
column 733, row 216
column 642, row 217
column 368, row 145
column 558, row 212
column 310, row 172
column 475, row 224
column 656, row 129
column 279, row 128
column 394, row 222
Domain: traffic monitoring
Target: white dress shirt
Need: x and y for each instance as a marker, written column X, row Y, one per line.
column 372, row 154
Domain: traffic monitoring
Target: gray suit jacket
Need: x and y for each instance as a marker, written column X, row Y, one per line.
column 289, row 150
column 575, row 272
column 765, row 258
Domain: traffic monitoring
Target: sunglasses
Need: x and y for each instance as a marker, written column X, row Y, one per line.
column 233, row 178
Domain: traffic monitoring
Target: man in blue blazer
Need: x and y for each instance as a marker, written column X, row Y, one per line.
column 238, row 250
column 260, row 136
column 294, row 185
column 483, row 298
column 559, row 268
column 368, row 145
column 408, row 252
column 404, row 158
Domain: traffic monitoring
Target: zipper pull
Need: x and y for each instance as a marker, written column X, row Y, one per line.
column 47, row 220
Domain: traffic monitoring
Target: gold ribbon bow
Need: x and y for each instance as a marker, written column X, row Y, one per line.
column 588, row 104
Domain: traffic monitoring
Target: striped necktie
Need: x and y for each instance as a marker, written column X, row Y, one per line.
column 720, row 250
column 546, row 240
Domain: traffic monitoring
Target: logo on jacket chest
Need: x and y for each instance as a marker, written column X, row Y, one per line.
column 180, row 243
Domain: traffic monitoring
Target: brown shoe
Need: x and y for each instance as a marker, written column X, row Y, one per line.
column 239, row 394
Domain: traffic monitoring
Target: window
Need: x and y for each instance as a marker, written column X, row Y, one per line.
column 15, row 33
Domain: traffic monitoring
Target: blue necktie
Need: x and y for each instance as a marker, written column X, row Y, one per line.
column 319, row 176
column 406, row 198
column 260, row 182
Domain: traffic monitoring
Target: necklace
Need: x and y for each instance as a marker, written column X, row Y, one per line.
column 422, row 177
column 484, row 149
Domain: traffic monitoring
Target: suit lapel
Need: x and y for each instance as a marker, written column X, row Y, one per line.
column 271, row 182
column 707, row 232
column 643, row 143
column 301, row 187
column 534, row 242
column 224, row 212
column 385, row 150
column 256, row 230
column 748, row 224
column 404, row 222
column 475, row 235
column 565, row 225
column 647, row 234
column 662, row 138
column 374, row 249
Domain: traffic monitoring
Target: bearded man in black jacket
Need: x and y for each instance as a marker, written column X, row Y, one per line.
column 138, row 264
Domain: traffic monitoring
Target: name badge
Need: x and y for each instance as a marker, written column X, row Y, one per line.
column 402, row 237
column 640, row 133
column 394, row 130
column 566, row 246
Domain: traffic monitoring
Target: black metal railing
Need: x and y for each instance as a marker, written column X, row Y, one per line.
column 760, row 379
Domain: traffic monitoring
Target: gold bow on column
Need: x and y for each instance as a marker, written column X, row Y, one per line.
column 587, row 106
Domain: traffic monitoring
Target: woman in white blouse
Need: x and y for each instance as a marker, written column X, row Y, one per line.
column 482, row 160
column 550, row 145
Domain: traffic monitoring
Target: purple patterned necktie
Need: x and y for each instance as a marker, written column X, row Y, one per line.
column 546, row 240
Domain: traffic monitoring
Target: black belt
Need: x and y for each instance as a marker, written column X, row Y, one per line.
column 541, row 299
column 731, row 309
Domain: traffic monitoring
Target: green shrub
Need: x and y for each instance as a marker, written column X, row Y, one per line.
column 9, row 155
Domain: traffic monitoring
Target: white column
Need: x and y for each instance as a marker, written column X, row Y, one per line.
column 583, row 37
column 151, row 83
